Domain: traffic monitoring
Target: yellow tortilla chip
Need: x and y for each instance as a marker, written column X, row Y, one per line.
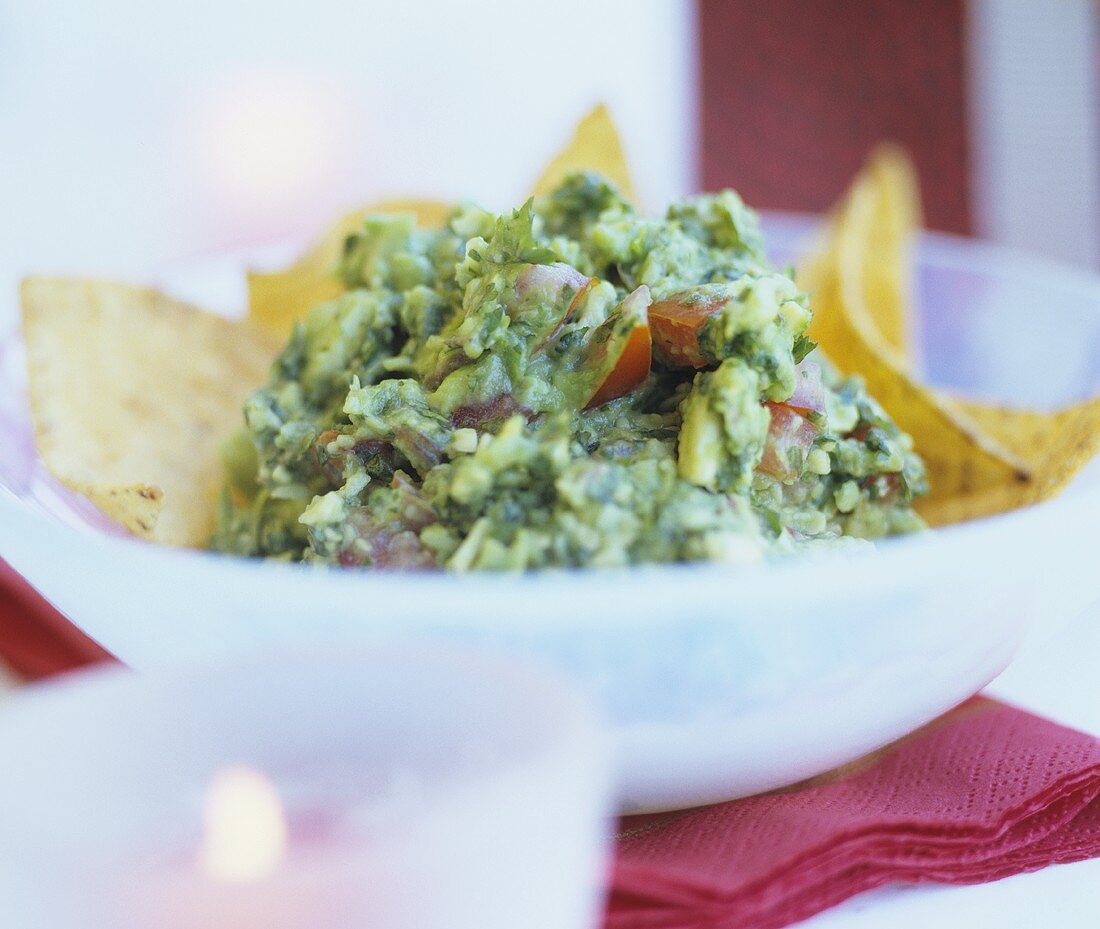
column 981, row 459
column 1053, row 445
column 889, row 211
column 595, row 146
column 888, row 284
column 132, row 393
column 277, row 298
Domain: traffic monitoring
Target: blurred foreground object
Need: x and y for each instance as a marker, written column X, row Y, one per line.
column 397, row 788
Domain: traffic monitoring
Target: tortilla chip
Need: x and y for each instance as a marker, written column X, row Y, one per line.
column 888, row 284
column 595, row 146
column 137, row 507
column 981, row 459
column 1053, row 445
column 132, row 393
column 277, row 299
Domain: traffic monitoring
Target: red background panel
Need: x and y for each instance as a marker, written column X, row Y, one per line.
column 794, row 93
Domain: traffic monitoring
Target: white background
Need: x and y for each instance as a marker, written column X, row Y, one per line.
column 1035, row 112
column 133, row 132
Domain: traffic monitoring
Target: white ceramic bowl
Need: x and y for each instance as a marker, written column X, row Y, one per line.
column 719, row 682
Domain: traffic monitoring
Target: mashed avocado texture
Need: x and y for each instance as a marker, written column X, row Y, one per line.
column 569, row 384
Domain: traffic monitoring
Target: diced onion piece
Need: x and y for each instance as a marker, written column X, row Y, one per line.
column 589, row 283
column 546, row 283
column 474, row 415
column 809, row 395
column 790, row 438
column 549, row 280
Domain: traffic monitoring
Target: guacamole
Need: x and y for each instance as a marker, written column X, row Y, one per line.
column 569, row 384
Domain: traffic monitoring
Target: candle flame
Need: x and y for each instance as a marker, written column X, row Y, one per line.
column 244, row 827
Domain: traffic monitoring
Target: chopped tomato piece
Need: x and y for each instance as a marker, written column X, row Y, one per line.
column 676, row 324
column 631, row 368
column 635, row 357
column 790, row 438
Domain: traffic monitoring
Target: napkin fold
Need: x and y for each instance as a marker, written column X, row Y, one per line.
column 982, row 793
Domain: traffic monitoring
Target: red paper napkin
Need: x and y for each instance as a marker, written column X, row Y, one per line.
column 984, row 792
column 35, row 639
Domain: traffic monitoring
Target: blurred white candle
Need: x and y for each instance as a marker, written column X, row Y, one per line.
column 395, row 790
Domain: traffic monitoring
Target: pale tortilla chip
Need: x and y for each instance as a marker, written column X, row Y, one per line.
column 595, row 146
column 276, row 299
column 982, row 459
column 137, row 507
column 132, row 393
